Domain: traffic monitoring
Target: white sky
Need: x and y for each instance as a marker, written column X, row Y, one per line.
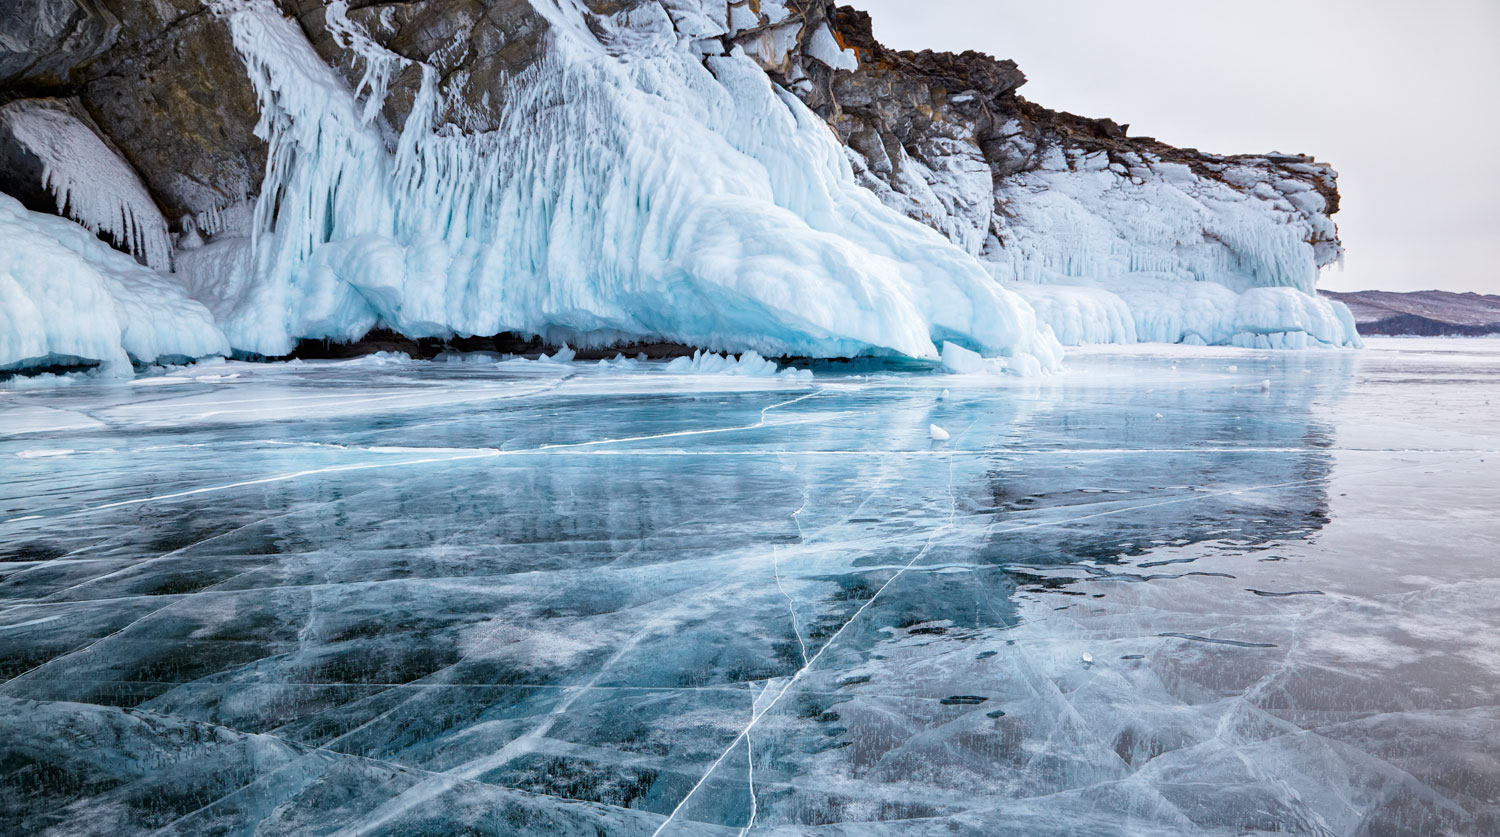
column 1401, row 96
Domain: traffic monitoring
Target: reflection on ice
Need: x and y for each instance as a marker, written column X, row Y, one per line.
column 484, row 597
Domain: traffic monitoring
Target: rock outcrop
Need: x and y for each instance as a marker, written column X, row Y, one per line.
column 1093, row 227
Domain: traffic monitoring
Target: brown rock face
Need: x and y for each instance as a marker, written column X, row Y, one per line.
column 43, row 42
column 160, row 79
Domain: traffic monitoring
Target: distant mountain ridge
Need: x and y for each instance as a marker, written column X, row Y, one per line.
column 1425, row 313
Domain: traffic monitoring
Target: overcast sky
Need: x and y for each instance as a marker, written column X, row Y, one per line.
column 1401, row 96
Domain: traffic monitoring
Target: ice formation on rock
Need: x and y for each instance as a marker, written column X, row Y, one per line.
column 66, row 298
column 607, row 173
column 93, row 186
column 632, row 190
column 1157, row 253
column 1083, row 220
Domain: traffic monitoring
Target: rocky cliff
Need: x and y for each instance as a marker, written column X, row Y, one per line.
column 608, row 170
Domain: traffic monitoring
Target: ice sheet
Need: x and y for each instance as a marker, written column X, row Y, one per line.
column 1147, row 596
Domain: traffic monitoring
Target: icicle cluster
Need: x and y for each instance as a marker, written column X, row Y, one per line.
column 93, row 186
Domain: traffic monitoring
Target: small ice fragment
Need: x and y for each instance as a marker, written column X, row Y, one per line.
column 945, row 396
column 1265, row 386
column 563, row 355
column 1158, row 416
column 1088, row 659
column 938, row 433
column 1234, row 369
column 962, row 361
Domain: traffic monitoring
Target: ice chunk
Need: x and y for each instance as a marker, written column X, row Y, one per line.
column 963, row 361
column 750, row 364
column 938, row 434
column 66, row 298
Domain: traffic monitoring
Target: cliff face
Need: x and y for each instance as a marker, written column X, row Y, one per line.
column 934, row 108
column 252, row 117
column 1053, row 200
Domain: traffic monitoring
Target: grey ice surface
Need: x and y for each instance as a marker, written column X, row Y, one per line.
column 1149, row 595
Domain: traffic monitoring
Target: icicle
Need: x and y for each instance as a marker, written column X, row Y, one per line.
column 92, row 185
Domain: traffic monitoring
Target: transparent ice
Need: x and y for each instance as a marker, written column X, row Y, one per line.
column 1147, row 595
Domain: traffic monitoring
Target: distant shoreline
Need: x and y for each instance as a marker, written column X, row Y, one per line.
column 1422, row 313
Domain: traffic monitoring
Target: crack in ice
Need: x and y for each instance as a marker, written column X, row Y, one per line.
column 792, row 681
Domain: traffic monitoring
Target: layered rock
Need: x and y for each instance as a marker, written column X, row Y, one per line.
column 249, row 134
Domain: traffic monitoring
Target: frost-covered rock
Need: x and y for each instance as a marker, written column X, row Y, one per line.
column 1052, row 201
column 600, row 172
column 628, row 189
column 66, row 298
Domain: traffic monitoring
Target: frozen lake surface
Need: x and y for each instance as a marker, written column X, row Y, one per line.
column 1167, row 591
